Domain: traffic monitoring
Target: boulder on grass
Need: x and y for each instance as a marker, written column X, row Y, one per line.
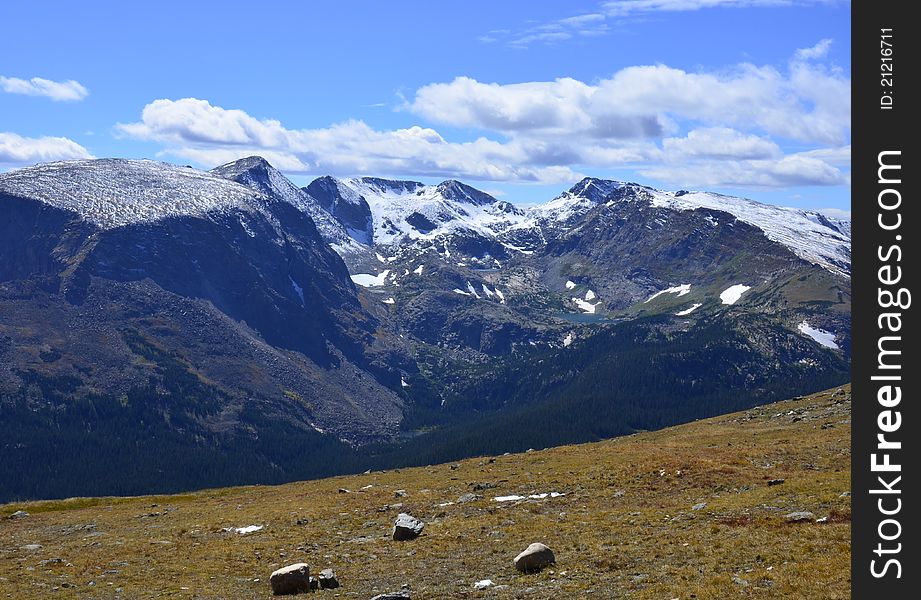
column 534, row 558
column 407, row 527
column 292, row 579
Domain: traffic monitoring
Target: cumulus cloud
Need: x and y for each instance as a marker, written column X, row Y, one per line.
column 719, row 143
column 809, row 103
column 18, row 150
column 195, row 129
column 729, row 127
column 787, row 171
column 63, row 91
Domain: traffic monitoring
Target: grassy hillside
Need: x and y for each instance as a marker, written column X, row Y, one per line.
column 684, row 512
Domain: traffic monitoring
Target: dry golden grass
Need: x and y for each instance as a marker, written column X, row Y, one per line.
column 625, row 528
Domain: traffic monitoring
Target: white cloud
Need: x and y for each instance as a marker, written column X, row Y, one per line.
column 729, row 127
column 809, row 103
column 787, row 171
column 720, row 142
column 210, row 135
column 839, row 157
column 820, row 50
column 835, row 213
column 622, row 8
column 619, row 11
column 18, row 150
column 66, row 91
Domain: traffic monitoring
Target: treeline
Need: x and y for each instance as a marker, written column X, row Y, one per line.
column 58, row 442
column 635, row 377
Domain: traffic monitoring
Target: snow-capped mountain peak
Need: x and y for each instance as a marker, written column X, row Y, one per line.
column 115, row 192
column 809, row 235
column 256, row 173
column 412, row 211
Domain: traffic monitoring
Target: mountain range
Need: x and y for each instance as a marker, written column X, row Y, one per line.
column 164, row 328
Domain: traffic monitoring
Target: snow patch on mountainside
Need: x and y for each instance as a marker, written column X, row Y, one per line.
column 368, row 280
column 586, row 307
column 680, row 290
column 687, row 311
column 820, row 336
column 732, row 294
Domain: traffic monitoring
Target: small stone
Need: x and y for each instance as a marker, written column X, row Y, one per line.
column 399, row 494
column 799, row 516
column 292, row 579
column 775, row 482
column 31, row 547
column 407, row 527
column 739, row 581
column 455, row 467
column 19, row 514
column 699, row 506
column 534, row 558
column 343, row 491
column 401, row 595
column 468, row 498
column 822, row 520
column 328, row 579
column 483, row 584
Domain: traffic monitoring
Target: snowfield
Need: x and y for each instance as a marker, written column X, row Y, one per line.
column 688, row 311
column 820, row 336
column 732, row 294
column 368, row 280
column 680, row 290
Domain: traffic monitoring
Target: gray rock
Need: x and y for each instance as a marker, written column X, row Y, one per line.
column 401, row 595
column 399, row 494
column 699, row 506
column 468, row 498
column 328, row 579
column 292, row 579
column 775, row 482
column 31, row 547
column 799, row 516
column 19, row 514
column 534, row 558
column 407, row 527
column 739, row 581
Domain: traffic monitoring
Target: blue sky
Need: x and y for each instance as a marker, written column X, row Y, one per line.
column 747, row 97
